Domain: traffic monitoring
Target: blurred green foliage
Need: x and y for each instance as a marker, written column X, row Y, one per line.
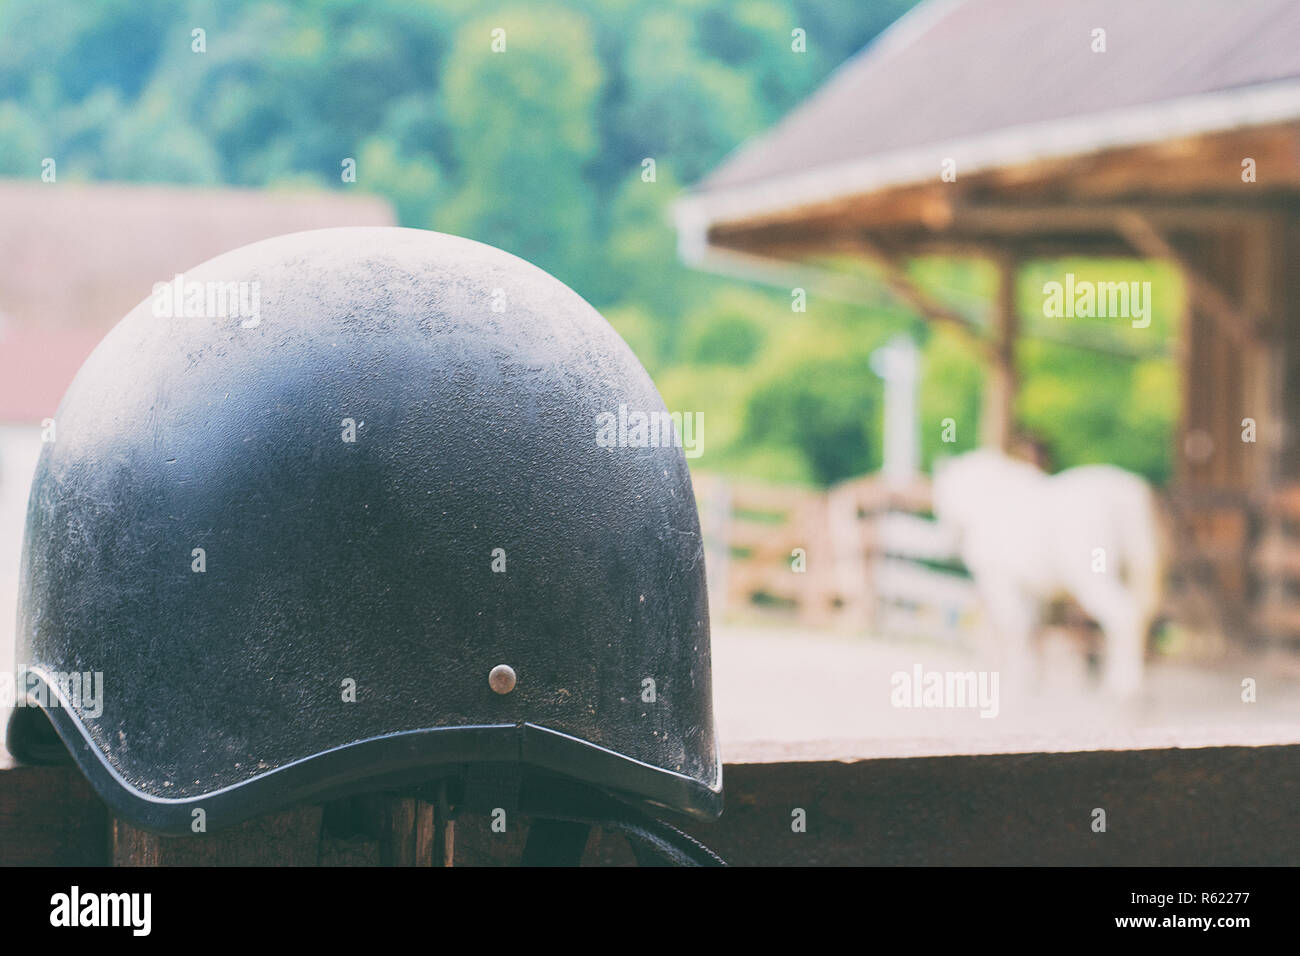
column 539, row 151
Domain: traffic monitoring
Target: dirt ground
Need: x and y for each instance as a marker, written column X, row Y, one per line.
column 781, row 685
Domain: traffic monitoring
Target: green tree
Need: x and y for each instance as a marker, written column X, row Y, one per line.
column 524, row 127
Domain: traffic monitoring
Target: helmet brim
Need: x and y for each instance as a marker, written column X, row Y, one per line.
column 374, row 764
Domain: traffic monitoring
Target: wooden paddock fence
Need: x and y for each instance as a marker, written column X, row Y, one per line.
column 867, row 556
column 863, row 555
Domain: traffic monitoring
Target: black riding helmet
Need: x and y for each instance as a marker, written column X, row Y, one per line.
column 333, row 512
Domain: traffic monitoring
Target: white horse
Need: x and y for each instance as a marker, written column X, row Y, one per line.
column 1092, row 532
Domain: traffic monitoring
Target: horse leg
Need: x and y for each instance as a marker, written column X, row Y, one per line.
column 1116, row 612
column 1014, row 617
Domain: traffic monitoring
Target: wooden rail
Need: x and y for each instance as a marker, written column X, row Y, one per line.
column 1215, row 805
column 859, row 556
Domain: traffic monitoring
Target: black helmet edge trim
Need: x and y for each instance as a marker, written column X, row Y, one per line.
column 554, row 750
column 350, row 768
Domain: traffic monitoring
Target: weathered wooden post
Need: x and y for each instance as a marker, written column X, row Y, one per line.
column 997, row 424
column 375, row 829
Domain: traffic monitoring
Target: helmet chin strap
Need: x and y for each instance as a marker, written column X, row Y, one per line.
column 560, row 837
column 562, row 813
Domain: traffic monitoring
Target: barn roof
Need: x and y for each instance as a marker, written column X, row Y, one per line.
column 997, row 82
column 75, row 258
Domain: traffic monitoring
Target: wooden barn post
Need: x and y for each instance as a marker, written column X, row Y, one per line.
column 997, row 424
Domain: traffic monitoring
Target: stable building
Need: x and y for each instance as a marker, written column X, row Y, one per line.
column 1170, row 131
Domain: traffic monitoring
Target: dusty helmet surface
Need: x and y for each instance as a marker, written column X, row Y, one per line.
column 336, row 509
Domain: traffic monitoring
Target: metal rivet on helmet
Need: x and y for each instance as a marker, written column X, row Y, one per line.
column 502, row 679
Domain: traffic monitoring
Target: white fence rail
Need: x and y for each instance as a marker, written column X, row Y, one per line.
column 860, row 556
